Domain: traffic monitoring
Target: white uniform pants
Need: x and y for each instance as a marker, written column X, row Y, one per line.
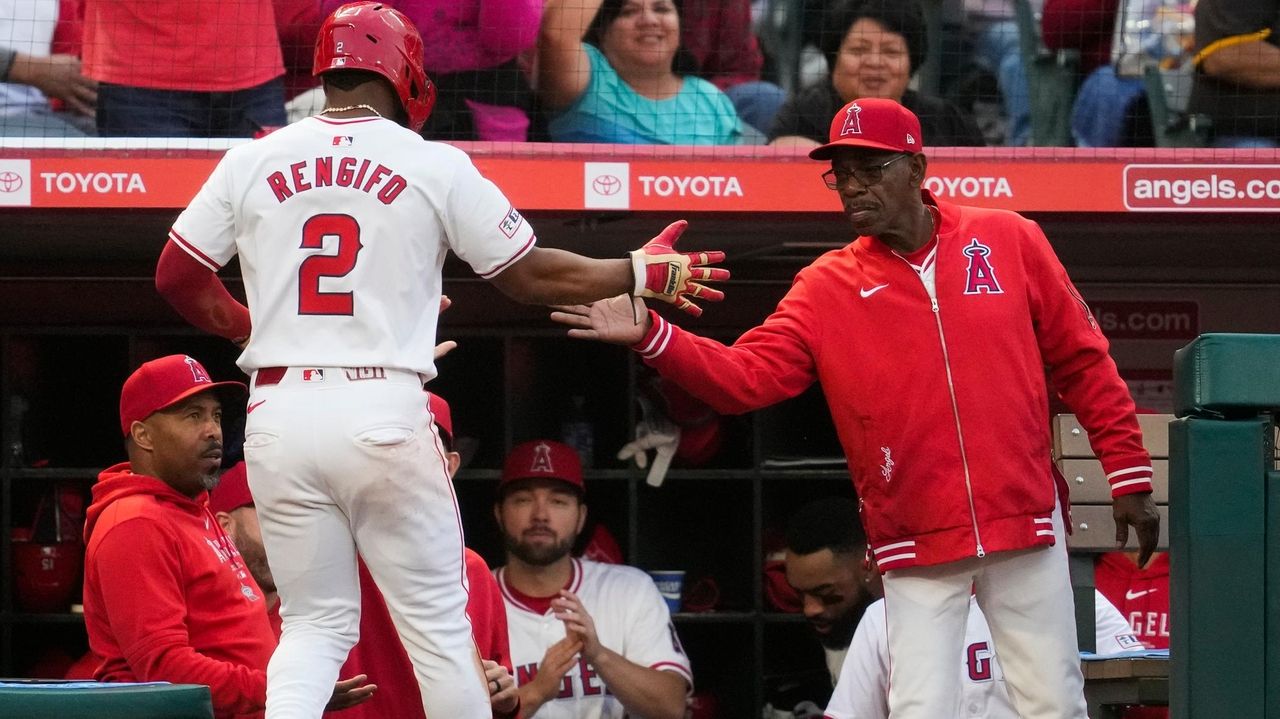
column 335, row 465
column 1026, row 597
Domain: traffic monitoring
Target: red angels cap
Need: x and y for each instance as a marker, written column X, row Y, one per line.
column 442, row 414
column 543, row 459
column 872, row 122
column 162, row 382
column 232, row 491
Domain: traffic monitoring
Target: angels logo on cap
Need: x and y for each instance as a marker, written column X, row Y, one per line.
column 874, row 123
column 166, row 381
column 542, row 459
column 852, row 121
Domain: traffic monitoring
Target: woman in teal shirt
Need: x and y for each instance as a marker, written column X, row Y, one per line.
column 620, row 85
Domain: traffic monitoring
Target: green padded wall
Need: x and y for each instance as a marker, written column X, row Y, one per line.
column 1233, row 374
column 1217, row 538
column 160, row 701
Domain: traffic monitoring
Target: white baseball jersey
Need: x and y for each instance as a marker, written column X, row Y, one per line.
column 863, row 689
column 631, row 619
column 328, row 216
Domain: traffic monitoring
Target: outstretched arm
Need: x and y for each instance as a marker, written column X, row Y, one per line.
column 555, row 277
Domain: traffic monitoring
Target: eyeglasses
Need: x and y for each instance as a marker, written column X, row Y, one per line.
column 866, row 176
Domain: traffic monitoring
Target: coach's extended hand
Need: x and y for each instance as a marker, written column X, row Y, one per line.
column 667, row 275
column 1139, row 510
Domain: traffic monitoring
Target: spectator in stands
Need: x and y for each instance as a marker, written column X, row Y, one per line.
column 718, row 34
column 873, row 47
column 1109, row 110
column 150, row 534
column 184, row 69
column 1084, row 25
column 35, row 68
column 613, row 71
column 297, row 24
column 472, row 51
column 1238, row 80
column 991, row 30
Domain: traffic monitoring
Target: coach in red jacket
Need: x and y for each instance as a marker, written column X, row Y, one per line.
column 930, row 333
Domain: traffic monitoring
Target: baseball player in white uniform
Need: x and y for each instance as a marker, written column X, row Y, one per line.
column 863, row 689
column 588, row 640
column 342, row 222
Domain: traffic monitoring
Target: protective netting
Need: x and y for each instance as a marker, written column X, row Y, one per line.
column 1048, row 73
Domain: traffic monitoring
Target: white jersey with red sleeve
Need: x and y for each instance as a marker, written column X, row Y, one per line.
column 325, row 214
column 631, row 618
column 862, row 691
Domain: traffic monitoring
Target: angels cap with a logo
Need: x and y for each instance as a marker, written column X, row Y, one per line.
column 542, row 459
column 874, row 123
column 164, row 382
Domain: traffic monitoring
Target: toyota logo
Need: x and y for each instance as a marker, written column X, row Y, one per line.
column 11, row 181
column 606, row 185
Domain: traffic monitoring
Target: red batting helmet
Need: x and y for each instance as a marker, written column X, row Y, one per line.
column 372, row 36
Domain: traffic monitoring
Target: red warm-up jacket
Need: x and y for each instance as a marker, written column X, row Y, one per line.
column 940, row 402
column 167, row 597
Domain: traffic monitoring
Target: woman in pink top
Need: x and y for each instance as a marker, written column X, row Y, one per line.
column 472, row 52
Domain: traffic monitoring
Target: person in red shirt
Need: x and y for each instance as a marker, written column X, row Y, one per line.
column 167, row 597
column 379, row 653
column 184, row 69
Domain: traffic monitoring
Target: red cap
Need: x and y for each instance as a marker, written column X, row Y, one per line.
column 162, row 382
column 543, row 459
column 232, row 491
column 873, row 122
column 442, row 414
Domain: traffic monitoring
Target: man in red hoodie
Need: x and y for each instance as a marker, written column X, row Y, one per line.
column 166, row 595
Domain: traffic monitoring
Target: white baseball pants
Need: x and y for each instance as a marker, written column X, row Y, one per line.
column 1026, row 597
column 345, row 460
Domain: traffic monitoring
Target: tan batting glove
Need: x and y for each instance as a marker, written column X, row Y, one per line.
column 665, row 274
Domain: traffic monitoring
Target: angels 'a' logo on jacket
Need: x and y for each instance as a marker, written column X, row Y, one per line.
column 981, row 273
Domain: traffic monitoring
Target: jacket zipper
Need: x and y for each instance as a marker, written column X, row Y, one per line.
column 955, row 412
column 955, row 405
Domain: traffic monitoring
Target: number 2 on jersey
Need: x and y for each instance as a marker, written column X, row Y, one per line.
column 311, row 301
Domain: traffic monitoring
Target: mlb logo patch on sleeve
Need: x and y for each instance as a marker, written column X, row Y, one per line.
column 343, row 140
column 511, row 222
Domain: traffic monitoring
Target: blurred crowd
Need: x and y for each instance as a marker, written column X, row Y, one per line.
column 1087, row 73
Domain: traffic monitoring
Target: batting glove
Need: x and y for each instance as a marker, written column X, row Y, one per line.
column 653, row 431
column 667, row 275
